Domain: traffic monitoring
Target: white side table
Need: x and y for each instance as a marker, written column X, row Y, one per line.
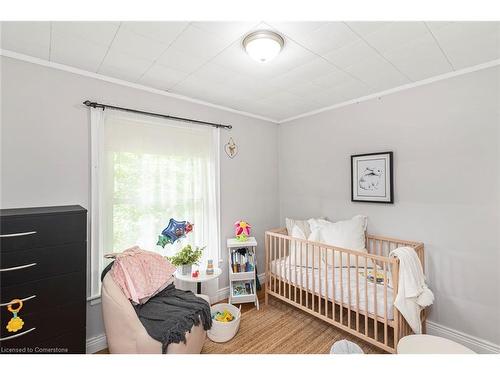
column 428, row 344
column 202, row 277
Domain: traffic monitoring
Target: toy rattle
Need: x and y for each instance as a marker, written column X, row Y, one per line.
column 15, row 323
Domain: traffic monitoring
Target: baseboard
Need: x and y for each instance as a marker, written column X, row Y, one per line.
column 95, row 344
column 98, row 343
column 474, row 343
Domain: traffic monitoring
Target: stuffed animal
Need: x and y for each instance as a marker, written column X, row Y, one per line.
column 242, row 230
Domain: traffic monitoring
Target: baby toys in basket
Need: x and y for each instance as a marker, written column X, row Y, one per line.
column 224, row 316
column 242, row 230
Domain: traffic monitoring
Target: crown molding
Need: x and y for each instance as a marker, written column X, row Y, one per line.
column 86, row 73
column 408, row 86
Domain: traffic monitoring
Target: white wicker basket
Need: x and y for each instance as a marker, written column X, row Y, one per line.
column 222, row 332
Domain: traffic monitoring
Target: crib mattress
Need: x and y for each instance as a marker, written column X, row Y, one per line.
column 280, row 267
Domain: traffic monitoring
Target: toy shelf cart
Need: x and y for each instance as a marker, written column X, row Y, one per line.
column 242, row 277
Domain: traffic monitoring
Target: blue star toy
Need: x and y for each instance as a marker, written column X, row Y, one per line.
column 174, row 230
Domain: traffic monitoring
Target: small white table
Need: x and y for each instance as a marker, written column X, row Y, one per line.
column 202, row 277
column 428, row 344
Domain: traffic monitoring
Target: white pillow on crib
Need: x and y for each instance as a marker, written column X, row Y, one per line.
column 302, row 253
column 302, row 224
column 298, row 232
column 347, row 234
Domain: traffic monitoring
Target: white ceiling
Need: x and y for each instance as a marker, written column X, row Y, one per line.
column 322, row 63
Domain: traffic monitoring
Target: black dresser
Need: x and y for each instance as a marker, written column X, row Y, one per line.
column 43, row 263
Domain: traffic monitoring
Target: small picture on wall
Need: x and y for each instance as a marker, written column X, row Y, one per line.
column 371, row 178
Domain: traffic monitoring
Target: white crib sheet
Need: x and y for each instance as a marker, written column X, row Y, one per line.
column 280, row 267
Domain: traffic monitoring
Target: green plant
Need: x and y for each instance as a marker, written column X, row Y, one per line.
column 186, row 256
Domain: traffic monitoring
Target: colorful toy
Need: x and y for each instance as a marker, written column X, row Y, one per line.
column 210, row 267
column 174, row 230
column 242, row 230
column 371, row 275
column 224, row 316
column 15, row 323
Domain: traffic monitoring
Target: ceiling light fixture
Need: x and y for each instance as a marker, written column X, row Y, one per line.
column 263, row 45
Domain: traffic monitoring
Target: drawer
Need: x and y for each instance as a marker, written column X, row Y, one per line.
column 70, row 342
column 22, row 266
column 27, row 232
column 43, row 294
column 46, row 327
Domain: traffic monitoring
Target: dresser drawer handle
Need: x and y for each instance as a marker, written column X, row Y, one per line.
column 17, row 234
column 17, row 268
column 22, row 299
column 17, row 335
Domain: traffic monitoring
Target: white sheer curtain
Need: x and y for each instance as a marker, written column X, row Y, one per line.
column 145, row 171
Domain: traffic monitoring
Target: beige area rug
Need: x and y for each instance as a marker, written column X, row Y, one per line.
column 282, row 329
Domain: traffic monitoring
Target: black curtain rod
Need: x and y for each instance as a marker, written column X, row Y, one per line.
column 88, row 103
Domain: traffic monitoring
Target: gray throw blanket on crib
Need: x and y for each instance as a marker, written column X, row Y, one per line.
column 171, row 313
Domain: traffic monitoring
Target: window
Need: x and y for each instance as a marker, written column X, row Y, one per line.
column 146, row 170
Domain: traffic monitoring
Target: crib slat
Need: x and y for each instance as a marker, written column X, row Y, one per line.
column 280, row 279
column 313, row 278
column 269, row 260
column 275, row 263
column 395, row 286
column 295, row 271
column 326, row 282
column 307, row 275
column 357, row 292
column 319, row 280
column 375, row 314
column 341, row 288
column 301, row 278
column 333, row 284
column 366, row 298
column 289, row 272
column 385, row 303
column 349, row 290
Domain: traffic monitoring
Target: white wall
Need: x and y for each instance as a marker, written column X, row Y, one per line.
column 45, row 149
column 445, row 138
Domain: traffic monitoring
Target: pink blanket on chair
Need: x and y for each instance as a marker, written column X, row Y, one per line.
column 141, row 274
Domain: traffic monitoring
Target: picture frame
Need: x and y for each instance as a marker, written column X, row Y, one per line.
column 372, row 177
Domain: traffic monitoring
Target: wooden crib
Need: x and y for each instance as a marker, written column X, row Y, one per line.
column 345, row 297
